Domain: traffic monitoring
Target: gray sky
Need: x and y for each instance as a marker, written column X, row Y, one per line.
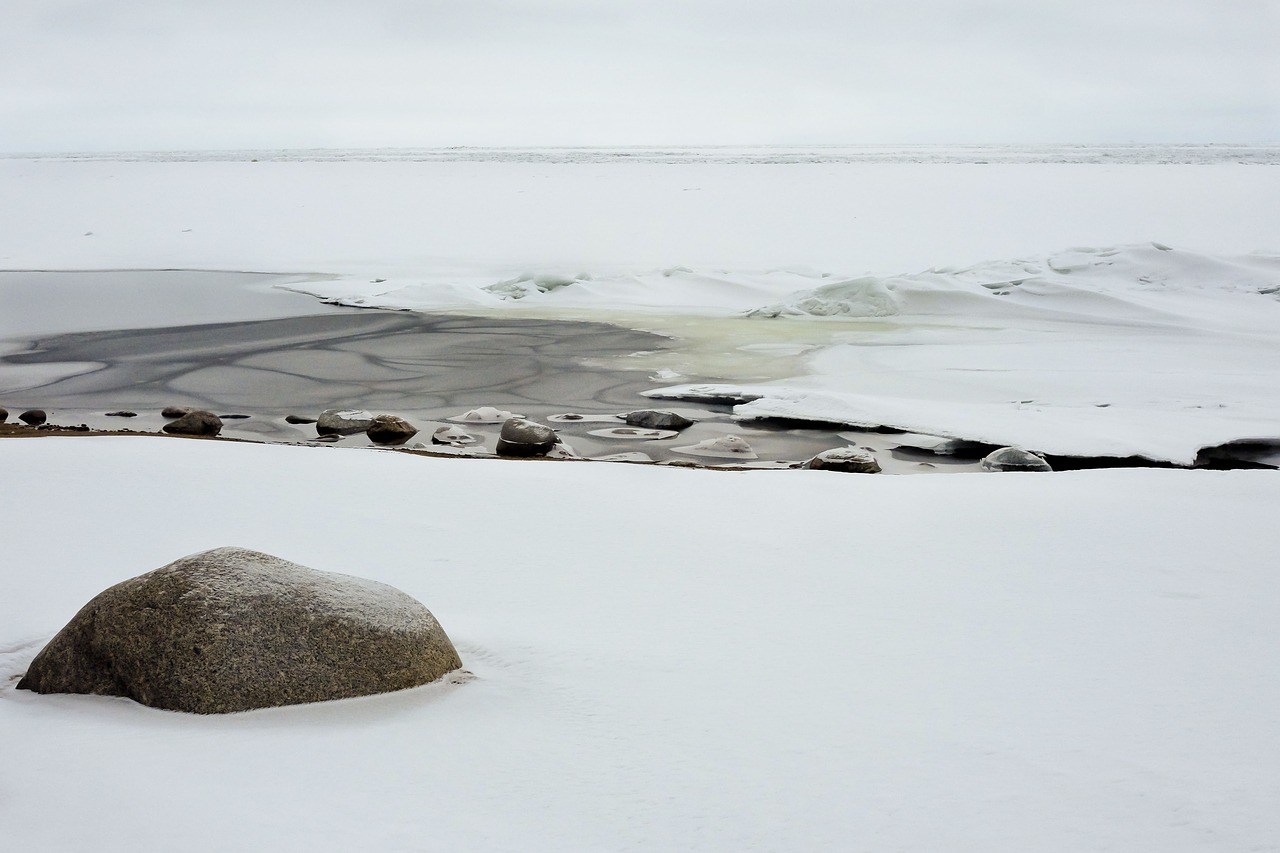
column 86, row 75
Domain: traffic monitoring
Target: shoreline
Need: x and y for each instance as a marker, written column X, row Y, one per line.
column 306, row 356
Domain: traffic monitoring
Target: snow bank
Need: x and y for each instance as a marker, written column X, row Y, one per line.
column 1132, row 351
column 800, row 660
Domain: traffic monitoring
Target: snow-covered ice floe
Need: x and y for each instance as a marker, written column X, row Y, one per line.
column 1132, row 351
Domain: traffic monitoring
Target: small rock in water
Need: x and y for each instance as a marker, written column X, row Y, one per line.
column 453, row 435
column 4, row 415
column 634, row 433
column 560, row 450
column 576, row 418
column 654, row 419
column 853, row 460
column 196, row 422
column 724, row 447
column 121, row 414
column 520, row 437
column 485, row 415
column 34, row 417
column 234, row 417
column 233, row 629
column 343, row 421
column 390, row 429
column 298, row 419
column 1014, row 459
column 327, row 439
column 175, row 411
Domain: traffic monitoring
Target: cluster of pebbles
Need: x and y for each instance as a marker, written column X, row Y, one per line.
column 520, row 436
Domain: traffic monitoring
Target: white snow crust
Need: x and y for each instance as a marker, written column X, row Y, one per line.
column 706, row 661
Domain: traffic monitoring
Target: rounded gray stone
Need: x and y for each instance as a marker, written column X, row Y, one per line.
column 390, row 429
column 343, row 421
column 1014, row 459
column 233, row 629
column 33, row 417
column 196, row 422
column 654, row 419
column 852, row 460
column 520, row 437
column 4, row 415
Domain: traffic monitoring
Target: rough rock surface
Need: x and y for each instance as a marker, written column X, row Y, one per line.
column 853, row 460
column 233, row 629
column 653, row 419
column 197, row 422
column 390, row 429
column 175, row 411
column 520, row 437
column 343, row 421
column 1014, row 459
column 34, row 417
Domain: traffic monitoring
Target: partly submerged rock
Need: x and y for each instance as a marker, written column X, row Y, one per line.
column 484, row 415
column 122, row 413
column 233, row 629
column 4, row 415
column 855, row 460
column 520, row 437
column 298, row 419
column 390, row 429
column 634, row 433
column 197, row 422
column 654, row 419
column 33, row 417
column 175, row 411
column 724, row 447
column 453, row 435
column 1014, row 459
column 343, row 421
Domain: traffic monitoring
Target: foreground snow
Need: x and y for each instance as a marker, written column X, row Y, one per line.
column 668, row 659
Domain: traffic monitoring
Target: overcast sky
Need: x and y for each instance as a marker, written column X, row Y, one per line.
column 88, row 75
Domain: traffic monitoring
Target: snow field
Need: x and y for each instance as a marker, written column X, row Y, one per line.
column 673, row 659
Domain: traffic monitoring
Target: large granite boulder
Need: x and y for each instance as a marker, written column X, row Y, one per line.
column 343, row 421
column 233, row 629
column 195, row 422
column 520, row 437
column 1014, row 459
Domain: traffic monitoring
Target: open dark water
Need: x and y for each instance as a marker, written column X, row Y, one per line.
column 425, row 368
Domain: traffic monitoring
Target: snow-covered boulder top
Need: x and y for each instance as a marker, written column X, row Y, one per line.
column 233, row 629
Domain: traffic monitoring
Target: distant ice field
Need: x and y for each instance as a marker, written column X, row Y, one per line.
column 1100, row 301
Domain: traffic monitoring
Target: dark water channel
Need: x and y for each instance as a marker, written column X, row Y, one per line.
column 425, row 368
